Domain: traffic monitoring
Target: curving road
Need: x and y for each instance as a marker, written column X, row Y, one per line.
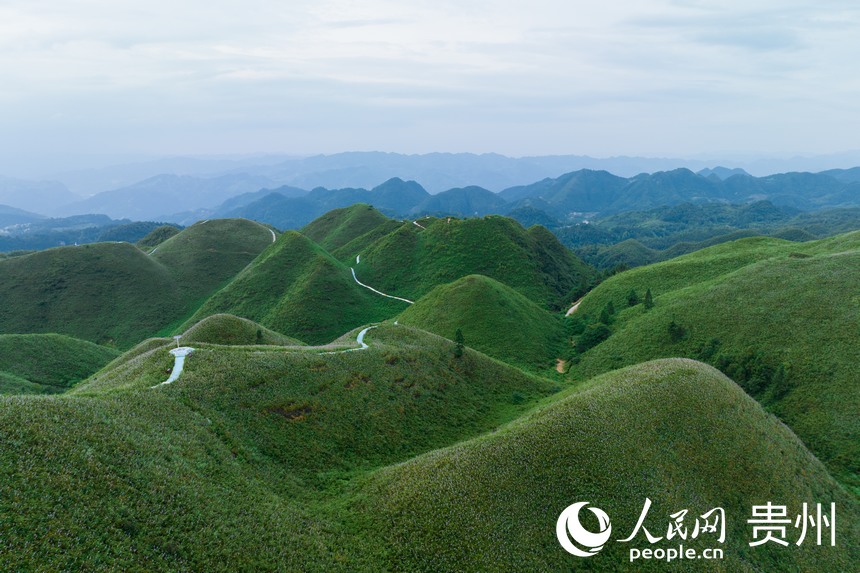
column 359, row 339
column 179, row 355
column 376, row 291
column 573, row 308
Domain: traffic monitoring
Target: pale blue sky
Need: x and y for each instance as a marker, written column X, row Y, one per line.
column 516, row 77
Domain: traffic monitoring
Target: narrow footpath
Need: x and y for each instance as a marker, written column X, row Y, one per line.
column 376, row 291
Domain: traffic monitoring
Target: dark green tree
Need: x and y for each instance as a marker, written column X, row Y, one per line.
column 460, row 341
column 780, row 383
column 573, row 325
column 676, row 331
column 606, row 314
column 604, row 317
column 649, row 300
column 632, row 298
column 593, row 335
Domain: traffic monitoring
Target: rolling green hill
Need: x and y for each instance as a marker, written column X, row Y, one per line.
column 299, row 289
column 113, row 293
column 341, row 226
column 272, row 459
column 11, row 385
column 780, row 318
column 104, row 292
column 203, row 257
column 242, row 463
column 157, row 236
column 51, row 361
column 296, row 288
column 674, row 431
column 403, row 453
column 411, row 260
column 494, row 319
column 227, row 329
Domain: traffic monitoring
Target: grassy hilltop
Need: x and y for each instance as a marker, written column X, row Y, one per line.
column 494, row 319
column 104, row 292
column 297, row 288
column 270, row 458
column 675, row 431
column 49, row 362
column 411, row 260
column 203, row 257
column 780, row 318
column 342, row 226
column 302, row 286
column 231, row 330
column 116, row 294
column 241, row 463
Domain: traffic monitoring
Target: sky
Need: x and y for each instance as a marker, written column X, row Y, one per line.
column 656, row 78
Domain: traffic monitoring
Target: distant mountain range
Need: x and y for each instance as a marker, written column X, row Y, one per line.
column 162, row 195
column 37, row 196
column 287, row 193
column 23, row 231
column 570, row 198
column 436, row 172
column 13, row 216
column 576, row 197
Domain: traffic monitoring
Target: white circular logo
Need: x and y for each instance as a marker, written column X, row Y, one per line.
column 568, row 523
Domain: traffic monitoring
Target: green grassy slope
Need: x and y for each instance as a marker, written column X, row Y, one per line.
column 410, row 261
column 361, row 243
column 232, row 330
column 114, row 293
column 677, row 432
column 11, row 384
column 157, row 236
column 239, row 465
column 494, row 319
column 52, row 361
column 104, row 292
column 296, row 288
column 258, row 459
column 780, row 318
column 340, row 226
column 203, row 257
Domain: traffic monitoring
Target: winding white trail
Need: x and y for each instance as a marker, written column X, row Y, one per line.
column 417, row 224
column 359, row 339
column 376, row 291
column 179, row 355
column 357, row 259
column 274, row 237
column 573, row 308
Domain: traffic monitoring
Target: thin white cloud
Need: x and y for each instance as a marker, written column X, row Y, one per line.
column 509, row 76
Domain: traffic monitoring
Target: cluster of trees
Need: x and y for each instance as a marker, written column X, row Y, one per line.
column 583, row 333
column 760, row 375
